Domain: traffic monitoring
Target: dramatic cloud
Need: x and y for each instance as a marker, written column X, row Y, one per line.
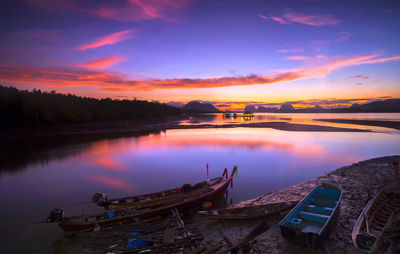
column 295, row 17
column 103, row 63
column 108, row 81
column 134, row 10
column 110, row 39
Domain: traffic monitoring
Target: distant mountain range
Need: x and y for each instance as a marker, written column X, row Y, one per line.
column 389, row 105
column 385, row 106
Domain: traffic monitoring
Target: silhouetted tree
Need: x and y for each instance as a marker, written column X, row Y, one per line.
column 25, row 108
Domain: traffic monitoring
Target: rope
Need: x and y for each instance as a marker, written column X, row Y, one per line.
column 258, row 199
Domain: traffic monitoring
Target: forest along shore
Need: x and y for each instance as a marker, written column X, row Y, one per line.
column 359, row 182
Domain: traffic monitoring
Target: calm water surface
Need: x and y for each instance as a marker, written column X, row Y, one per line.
column 44, row 177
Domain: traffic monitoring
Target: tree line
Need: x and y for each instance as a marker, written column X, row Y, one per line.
column 29, row 108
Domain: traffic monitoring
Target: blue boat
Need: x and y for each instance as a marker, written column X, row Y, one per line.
column 308, row 222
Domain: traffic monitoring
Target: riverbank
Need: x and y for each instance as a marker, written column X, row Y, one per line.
column 144, row 127
column 359, row 182
column 387, row 124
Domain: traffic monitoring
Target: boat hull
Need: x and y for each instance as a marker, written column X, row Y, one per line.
column 151, row 199
column 251, row 212
column 309, row 222
column 82, row 226
column 374, row 216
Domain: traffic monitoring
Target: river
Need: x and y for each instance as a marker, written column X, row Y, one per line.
column 41, row 176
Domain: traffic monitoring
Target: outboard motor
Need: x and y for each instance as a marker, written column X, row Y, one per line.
column 100, row 199
column 186, row 187
column 55, row 215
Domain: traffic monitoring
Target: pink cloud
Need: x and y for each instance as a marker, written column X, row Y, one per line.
column 296, row 57
column 110, row 39
column 342, row 37
column 359, row 77
column 274, row 18
column 112, row 182
column 312, row 20
column 104, row 62
column 109, row 81
column 293, row 50
column 135, row 10
column 295, row 17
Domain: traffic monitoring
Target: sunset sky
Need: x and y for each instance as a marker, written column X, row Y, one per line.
column 230, row 53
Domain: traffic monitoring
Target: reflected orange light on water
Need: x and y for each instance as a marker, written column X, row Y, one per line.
column 112, row 182
column 110, row 163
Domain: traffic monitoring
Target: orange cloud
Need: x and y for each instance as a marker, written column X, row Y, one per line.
column 295, row 17
column 109, row 39
column 104, row 62
column 112, row 182
column 109, row 81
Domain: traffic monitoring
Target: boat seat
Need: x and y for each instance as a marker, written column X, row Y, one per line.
column 318, row 209
column 313, row 216
column 322, row 203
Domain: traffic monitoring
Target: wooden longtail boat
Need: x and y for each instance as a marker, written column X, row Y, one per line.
column 120, row 216
column 308, row 222
column 374, row 216
column 249, row 212
column 156, row 198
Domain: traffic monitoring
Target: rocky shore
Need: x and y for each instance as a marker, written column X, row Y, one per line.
column 359, row 182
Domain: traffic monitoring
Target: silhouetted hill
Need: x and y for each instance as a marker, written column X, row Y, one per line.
column 25, row 108
column 262, row 109
column 385, row 106
column 250, row 108
column 196, row 106
column 286, row 108
column 175, row 104
column 390, row 105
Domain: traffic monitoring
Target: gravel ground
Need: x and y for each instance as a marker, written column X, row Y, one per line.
column 359, row 182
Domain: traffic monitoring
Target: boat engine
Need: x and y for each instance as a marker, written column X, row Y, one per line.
column 55, row 215
column 100, row 199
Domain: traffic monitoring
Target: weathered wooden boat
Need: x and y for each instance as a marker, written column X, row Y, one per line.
column 375, row 215
column 250, row 212
column 308, row 222
column 121, row 216
column 156, row 198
